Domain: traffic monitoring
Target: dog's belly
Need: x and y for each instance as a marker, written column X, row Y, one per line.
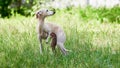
column 61, row 37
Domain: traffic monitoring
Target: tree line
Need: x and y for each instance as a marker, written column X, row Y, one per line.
column 10, row 7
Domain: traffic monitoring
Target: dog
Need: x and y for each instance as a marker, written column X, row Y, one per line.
column 47, row 30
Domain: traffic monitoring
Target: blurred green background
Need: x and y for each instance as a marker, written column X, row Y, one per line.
column 92, row 29
column 10, row 8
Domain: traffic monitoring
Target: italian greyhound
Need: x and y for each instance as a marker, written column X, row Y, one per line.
column 47, row 30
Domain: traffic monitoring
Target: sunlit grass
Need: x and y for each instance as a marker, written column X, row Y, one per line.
column 94, row 44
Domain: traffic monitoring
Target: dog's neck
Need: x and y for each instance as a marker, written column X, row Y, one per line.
column 41, row 22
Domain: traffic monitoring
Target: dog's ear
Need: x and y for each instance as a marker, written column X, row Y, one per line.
column 38, row 13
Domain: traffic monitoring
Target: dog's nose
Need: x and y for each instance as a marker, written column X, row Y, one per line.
column 53, row 12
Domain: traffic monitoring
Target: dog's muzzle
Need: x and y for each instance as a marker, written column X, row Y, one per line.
column 53, row 11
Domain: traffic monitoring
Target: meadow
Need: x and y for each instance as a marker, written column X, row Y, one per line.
column 93, row 35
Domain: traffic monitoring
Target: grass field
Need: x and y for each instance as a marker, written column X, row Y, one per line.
column 93, row 38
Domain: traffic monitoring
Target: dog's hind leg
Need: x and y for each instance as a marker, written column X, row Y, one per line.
column 53, row 41
column 62, row 48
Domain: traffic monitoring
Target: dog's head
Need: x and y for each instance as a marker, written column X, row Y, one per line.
column 44, row 13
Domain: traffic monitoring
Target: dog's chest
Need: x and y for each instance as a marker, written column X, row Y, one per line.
column 46, row 28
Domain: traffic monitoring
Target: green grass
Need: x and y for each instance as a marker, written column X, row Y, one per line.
column 94, row 43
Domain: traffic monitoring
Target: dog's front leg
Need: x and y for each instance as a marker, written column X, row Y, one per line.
column 41, row 46
column 48, row 37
